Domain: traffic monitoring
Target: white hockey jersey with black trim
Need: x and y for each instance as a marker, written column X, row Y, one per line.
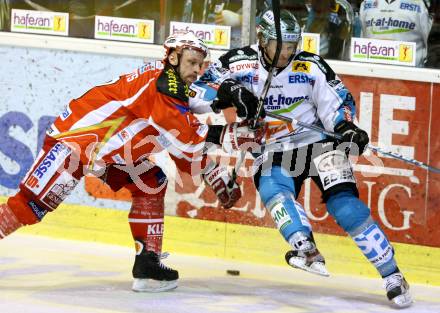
column 306, row 90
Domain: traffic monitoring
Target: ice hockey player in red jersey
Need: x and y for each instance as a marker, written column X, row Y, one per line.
column 111, row 132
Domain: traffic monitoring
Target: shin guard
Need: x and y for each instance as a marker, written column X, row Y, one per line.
column 147, row 211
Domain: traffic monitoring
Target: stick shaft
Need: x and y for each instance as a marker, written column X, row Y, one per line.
column 369, row 146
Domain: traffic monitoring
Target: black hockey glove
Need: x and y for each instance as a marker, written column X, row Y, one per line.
column 232, row 93
column 352, row 135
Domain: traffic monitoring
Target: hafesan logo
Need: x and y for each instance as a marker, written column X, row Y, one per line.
column 383, row 51
column 310, row 42
column 214, row 36
column 59, row 23
column 220, row 37
column 124, row 29
column 144, row 30
column 405, row 53
column 40, row 22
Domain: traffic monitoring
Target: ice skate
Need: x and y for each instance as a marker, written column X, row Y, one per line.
column 398, row 290
column 306, row 256
column 151, row 275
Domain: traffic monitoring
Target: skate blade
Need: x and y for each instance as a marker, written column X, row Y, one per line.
column 151, row 285
column 403, row 301
column 317, row 268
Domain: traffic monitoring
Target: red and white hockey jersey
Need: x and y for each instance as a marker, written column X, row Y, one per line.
column 132, row 117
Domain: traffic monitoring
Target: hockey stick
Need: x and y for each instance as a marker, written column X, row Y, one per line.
column 266, row 86
column 276, row 16
column 369, row 146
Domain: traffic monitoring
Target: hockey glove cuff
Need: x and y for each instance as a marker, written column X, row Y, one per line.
column 238, row 136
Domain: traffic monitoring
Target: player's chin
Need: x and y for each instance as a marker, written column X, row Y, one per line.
column 190, row 79
column 282, row 63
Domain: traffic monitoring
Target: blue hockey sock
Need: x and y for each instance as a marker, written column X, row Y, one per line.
column 354, row 217
column 348, row 211
column 375, row 246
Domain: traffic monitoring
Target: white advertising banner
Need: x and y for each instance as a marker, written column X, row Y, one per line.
column 41, row 83
column 383, row 51
column 39, row 22
column 124, row 29
column 215, row 36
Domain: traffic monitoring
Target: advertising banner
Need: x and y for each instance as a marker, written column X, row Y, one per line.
column 215, row 36
column 383, row 51
column 39, row 22
column 398, row 115
column 124, row 29
column 41, row 82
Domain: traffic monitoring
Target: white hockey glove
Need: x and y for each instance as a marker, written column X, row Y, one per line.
column 228, row 191
column 238, row 136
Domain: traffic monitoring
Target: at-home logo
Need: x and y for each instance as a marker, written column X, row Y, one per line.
column 282, row 100
column 389, row 25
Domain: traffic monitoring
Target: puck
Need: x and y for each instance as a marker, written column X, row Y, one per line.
column 233, row 272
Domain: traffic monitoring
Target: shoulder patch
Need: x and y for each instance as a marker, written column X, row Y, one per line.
column 319, row 61
column 245, row 53
column 192, row 93
column 301, row 66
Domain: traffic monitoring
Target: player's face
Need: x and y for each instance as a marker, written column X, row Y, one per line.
column 287, row 49
column 191, row 63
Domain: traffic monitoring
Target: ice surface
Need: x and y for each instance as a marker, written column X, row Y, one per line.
column 44, row 275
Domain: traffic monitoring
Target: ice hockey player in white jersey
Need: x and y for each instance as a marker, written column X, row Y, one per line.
column 304, row 88
column 402, row 20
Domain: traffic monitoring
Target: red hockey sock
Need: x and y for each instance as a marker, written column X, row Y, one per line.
column 146, row 221
column 21, row 206
column 8, row 221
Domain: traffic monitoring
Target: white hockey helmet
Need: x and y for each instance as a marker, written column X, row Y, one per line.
column 183, row 41
column 290, row 28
